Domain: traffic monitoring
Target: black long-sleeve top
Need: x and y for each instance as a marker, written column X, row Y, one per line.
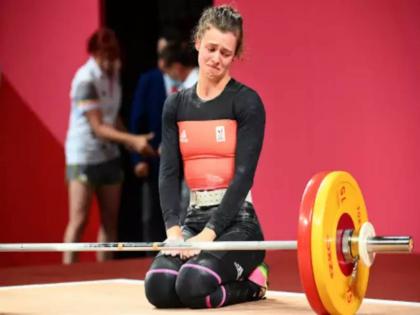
column 237, row 102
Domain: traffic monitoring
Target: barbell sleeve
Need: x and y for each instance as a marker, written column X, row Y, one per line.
column 390, row 244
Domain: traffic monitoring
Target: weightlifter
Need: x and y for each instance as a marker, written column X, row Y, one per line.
column 216, row 128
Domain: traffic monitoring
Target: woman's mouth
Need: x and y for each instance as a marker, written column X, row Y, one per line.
column 213, row 67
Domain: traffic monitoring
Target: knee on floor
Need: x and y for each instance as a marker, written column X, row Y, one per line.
column 194, row 283
column 160, row 288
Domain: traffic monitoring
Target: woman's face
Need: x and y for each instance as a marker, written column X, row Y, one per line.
column 109, row 65
column 216, row 51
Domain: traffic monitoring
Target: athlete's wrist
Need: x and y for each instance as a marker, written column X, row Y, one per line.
column 209, row 234
column 174, row 233
column 211, row 227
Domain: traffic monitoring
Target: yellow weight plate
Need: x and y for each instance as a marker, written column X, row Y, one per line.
column 338, row 195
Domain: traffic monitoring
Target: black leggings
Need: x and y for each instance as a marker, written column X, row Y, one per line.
column 210, row 279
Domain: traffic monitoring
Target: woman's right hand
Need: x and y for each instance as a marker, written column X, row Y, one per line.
column 140, row 144
column 174, row 234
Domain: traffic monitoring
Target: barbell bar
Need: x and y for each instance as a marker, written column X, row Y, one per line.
column 156, row 246
column 377, row 244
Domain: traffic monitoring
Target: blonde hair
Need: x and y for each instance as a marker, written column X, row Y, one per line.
column 226, row 19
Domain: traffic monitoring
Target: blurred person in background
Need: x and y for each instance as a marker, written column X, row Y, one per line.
column 179, row 61
column 152, row 89
column 91, row 149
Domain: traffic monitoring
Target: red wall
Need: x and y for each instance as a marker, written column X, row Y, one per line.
column 41, row 45
column 340, row 81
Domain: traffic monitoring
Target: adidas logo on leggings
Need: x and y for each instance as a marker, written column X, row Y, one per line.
column 239, row 270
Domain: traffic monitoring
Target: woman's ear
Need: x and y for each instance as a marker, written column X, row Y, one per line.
column 197, row 44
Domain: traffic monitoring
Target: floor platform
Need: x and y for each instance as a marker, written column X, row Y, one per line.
column 124, row 296
column 394, row 286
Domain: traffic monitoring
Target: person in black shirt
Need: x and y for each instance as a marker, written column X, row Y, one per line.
column 213, row 133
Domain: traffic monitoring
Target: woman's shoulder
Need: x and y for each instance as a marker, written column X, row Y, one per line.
column 244, row 94
column 177, row 100
column 86, row 72
column 243, row 89
column 171, row 102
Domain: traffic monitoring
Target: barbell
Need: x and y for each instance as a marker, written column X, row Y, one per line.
column 336, row 244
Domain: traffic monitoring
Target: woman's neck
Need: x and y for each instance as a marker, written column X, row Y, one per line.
column 209, row 89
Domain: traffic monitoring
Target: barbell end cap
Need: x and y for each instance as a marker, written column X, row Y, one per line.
column 366, row 231
column 410, row 245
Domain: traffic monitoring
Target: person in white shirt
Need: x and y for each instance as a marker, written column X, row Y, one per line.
column 91, row 149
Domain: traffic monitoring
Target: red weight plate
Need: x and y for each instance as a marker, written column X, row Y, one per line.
column 345, row 223
column 304, row 243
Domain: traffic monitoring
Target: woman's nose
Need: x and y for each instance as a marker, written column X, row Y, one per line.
column 216, row 57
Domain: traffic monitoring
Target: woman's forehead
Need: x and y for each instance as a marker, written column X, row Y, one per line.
column 215, row 36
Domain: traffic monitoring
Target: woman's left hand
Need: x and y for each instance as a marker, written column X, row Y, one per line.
column 206, row 235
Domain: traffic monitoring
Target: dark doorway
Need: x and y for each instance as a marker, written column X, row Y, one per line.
column 138, row 25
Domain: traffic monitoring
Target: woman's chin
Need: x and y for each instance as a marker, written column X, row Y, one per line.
column 213, row 75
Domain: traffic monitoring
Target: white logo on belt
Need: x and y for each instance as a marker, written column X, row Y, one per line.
column 183, row 137
column 220, row 134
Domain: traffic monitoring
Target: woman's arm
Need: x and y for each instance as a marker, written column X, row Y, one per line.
column 169, row 171
column 138, row 143
column 87, row 100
